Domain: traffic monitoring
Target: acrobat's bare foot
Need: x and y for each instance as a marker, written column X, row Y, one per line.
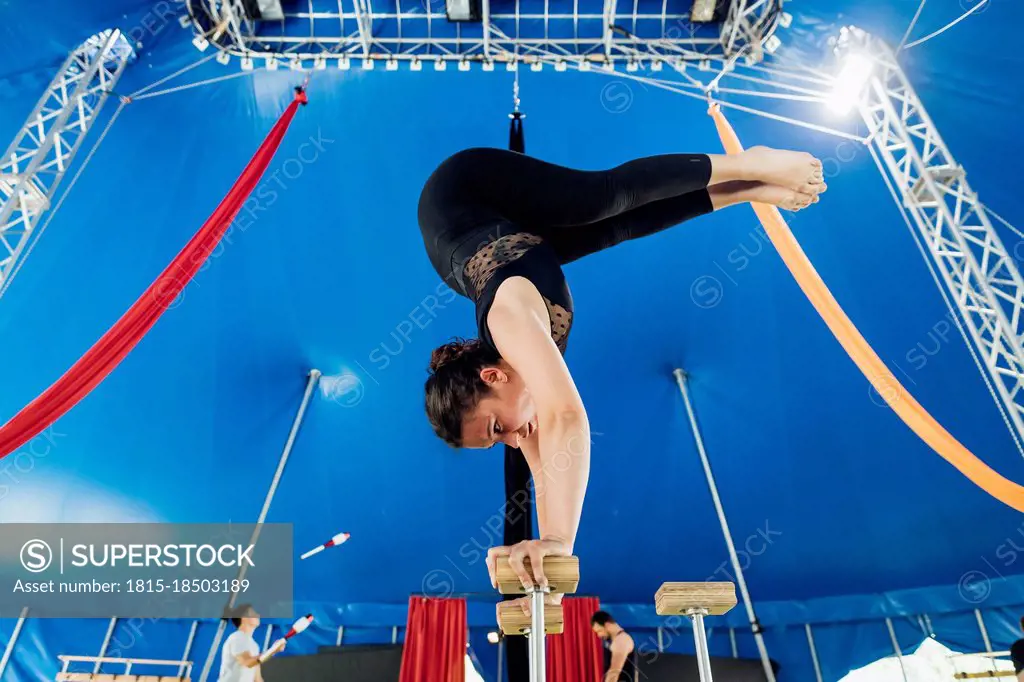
column 798, row 171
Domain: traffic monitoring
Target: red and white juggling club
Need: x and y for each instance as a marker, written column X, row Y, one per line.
column 339, row 539
column 297, row 627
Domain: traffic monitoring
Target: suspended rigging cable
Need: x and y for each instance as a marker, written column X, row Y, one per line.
column 913, row 23
column 198, row 84
column 947, row 26
column 174, row 75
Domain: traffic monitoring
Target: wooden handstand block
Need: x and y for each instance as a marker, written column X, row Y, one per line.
column 513, row 621
column 678, row 598
column 563, row 574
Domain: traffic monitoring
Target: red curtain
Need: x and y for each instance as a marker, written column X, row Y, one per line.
column 575, row 655
column 114, row 346
column 435, row 641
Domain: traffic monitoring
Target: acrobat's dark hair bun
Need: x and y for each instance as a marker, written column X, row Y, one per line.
column 450, row 352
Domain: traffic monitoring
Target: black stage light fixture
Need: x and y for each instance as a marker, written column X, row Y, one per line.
column 267, row 10
column 708, row 11
column 462, row 10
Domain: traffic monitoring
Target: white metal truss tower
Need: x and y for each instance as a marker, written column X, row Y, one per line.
column 44, row 148
column 968, row 254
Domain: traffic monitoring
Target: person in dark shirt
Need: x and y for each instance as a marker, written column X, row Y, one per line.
column 619, row 647
column 1017, row 655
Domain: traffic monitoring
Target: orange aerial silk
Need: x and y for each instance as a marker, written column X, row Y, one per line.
column 897, row 397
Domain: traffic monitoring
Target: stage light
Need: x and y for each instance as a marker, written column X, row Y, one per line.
column 560, row 66
column 703, row 11
column 271, row 63
column 320, row 63
column 344, row 64
column 268, row 10
column 391, row 65
column 440, row 64
column 295, row 64
column 201, row 43
column 464, row 65
column 247, row 64
column 415, row 65
column 854, row 72
column 368, row 64
column 492, row 637
column 223, row 58
column 488, row 66
column 462, row 10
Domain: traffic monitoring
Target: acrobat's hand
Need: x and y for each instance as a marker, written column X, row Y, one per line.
column 535, row 551
column 525, row 605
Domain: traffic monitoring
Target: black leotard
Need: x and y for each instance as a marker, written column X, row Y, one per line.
column 488, row 214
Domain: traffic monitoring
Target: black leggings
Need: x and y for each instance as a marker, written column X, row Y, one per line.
column 577, row 212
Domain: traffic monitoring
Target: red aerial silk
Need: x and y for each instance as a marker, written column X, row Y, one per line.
column 435, row 641
column 575, row 655
column 114, row 346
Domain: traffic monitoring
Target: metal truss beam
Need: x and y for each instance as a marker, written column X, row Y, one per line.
column 967, row 253
column 44, row 148
column 747, row 25
column 414, row 33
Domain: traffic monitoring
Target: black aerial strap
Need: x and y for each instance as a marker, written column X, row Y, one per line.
column 518, row 495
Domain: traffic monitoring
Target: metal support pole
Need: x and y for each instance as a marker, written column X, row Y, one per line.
column 106, row 643
column 538, row 662
column 188, row 647
column 501, row 656
column 307, row 397
column 981, row 626
column 13, row 640
column 814, row 652
column 896, row 647
column 700, row 639
column 661, row 640
column 926, row 625
column 732, row 643
column 486, row 6
column 755, row 626
column 341, row 634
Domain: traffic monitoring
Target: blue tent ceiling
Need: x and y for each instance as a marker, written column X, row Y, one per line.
column 330, row 274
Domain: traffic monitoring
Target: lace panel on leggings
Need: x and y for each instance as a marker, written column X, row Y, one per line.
column 502, row 251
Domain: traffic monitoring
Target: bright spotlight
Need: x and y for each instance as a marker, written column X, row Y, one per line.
column 492, row 637
column 853, row 76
